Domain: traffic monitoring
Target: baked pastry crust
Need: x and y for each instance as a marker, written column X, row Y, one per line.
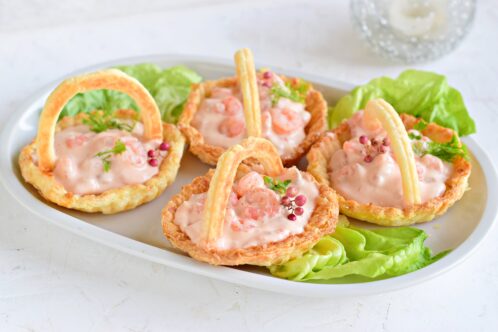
column 113, row 200
column 322, row 221
column 315, row 105
column 112, row 79
column 321, row 152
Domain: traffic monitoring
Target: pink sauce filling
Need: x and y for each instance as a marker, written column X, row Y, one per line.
column 220, row 118
column 370, row 174
column 255, row 215
column 81, row 172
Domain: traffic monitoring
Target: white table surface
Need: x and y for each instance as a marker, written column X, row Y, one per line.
column 51, row 280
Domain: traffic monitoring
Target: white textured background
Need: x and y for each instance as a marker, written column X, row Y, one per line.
column 51, row 280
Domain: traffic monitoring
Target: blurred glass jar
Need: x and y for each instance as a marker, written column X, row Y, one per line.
column 413, row 30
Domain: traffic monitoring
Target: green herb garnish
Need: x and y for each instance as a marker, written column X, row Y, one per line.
column 99, row 122
column 444, row 151
column 278, row 186
column 296, row 92
column 421, row 125
column 414, row 136
column 447, row 151
column 105, row 156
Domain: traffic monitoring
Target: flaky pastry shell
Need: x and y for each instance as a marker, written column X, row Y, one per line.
column 321, row 152
column 113, row 200
column 322, row 222
column 315, row 105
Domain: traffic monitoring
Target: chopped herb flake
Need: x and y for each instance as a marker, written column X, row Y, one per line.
column 444, row 151
column 421, row 125
column 414, row 136
column 105, row 156
column 296, row 92
column 276, row 185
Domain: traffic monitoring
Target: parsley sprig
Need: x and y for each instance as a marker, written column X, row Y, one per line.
column 421, row 125
column 414, row 136
column 99, row 122
column 105, row 156
column 444, row 151
column 295, row 91
column 278, row 186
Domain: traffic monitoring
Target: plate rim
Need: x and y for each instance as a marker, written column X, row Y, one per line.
column 235, row 276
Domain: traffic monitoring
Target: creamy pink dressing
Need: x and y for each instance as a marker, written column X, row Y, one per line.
column 379, row 181
column 220, row 118
column 81, row 172
column 254, row 215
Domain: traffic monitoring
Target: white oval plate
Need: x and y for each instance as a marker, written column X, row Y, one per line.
column 138, row 232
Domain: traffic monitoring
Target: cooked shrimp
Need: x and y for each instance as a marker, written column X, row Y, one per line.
column 251, row 180
column 285, row 120
column 232, row 126
column 370, row 123
column 258, row 203
column 233, row 106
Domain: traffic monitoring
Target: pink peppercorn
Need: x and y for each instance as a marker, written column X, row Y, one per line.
column 285, row 200
column 368, row 158
column 164, row 146
column 153, row 162
column 267, row 75
column 298, row 211
column 300, row 200
column 291, row 191
column 363, row 139
column 151, row 153
column 292, row 217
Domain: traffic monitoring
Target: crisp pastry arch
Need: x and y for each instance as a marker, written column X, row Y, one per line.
column 111, row 79
column 323, row 220
column 315, row 104
column 322, row 151
column 37, row 159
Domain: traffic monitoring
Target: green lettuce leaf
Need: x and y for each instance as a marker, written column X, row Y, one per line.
column 325, row 253
column 355, row 251
column 172, row 89
column 419, row 93
column 145, row 73
column 105, row 100
column 169, row 87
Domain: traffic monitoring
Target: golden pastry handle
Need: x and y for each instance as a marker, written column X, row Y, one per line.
column 381, row 111
column 246, row 73
column 111, row 79
column 222, row 181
